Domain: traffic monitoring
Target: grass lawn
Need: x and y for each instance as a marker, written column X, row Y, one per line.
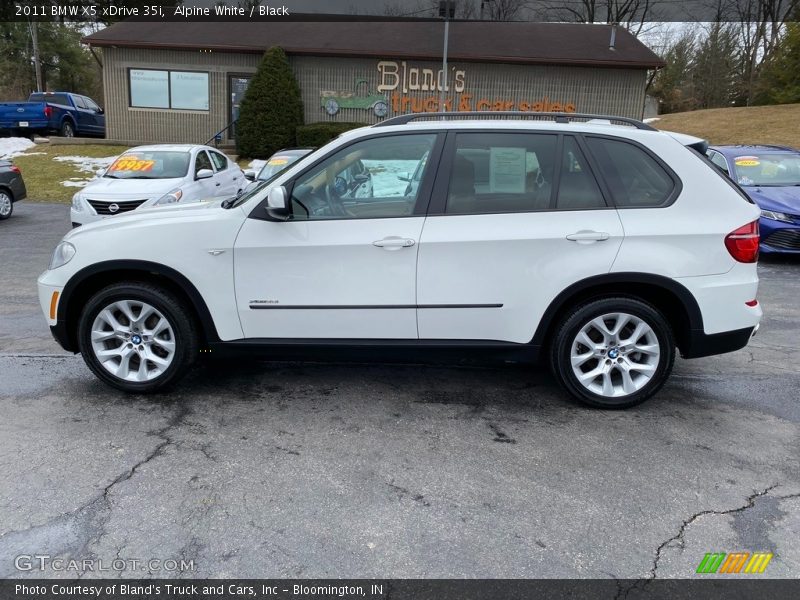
column 44, row 174
column 739, row 125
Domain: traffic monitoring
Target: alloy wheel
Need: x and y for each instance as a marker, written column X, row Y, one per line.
column 615, row 354
column 5, row 204
column 133, row 340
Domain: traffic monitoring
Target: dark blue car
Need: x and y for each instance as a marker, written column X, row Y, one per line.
column 771, row 177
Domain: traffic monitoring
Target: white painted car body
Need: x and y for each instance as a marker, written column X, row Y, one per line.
column 491, row 278
column 91, row 203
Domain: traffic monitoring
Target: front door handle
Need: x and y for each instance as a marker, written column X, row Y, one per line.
column 394, row 243
column 587, row 236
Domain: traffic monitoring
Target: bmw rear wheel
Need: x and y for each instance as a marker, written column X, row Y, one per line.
column 137, row 337
column 613, row 353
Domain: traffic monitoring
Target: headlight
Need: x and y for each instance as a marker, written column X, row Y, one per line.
column 77, row 204
column 62, row 255
column 776, row 216
column 170, row 197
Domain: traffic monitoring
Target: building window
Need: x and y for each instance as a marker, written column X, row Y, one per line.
column 150, row 88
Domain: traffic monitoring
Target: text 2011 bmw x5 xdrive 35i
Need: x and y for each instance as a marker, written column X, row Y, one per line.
column 598, row 244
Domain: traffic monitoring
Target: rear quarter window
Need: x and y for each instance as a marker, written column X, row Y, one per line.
column 636, row 179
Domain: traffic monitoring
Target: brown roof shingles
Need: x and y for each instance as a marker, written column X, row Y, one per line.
column 529, row 43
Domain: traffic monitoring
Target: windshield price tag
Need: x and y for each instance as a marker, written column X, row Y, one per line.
column 746, row 161
column 129, row 163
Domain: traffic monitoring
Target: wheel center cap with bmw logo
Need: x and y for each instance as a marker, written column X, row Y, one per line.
column 613, row 353
column 136, row 339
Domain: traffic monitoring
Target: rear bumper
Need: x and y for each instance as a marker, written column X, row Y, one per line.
column 702, row 344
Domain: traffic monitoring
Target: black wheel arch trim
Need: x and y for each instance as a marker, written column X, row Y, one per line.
column 561, row 301
column 65, row 334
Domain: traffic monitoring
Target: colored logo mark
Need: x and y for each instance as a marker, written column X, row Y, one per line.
column 735, row 562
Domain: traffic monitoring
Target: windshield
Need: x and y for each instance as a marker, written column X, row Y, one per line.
column 154, row 164
column 768, row 169
column 276, row 164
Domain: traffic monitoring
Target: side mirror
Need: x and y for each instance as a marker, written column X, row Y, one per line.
column 99, row 172
column 278, row 203
column 405, row 176
column 204, row 174
column 250, row 175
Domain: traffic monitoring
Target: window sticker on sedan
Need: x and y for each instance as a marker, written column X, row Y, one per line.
column 278, row 160
column 132, row 163
column 746, row 161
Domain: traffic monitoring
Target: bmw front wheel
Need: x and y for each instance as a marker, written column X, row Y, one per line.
column 613, row 353
column 137, row 337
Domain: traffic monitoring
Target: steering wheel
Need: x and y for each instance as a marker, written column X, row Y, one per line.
column 333, row 200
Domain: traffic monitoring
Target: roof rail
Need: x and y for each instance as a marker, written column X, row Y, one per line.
column 558, row 117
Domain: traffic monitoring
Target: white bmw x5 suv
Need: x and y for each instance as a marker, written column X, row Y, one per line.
column 598, row 244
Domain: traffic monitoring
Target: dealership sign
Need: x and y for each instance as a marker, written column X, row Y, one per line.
column 407, row 85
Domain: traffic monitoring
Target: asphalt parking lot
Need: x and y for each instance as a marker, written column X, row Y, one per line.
column 309, row 470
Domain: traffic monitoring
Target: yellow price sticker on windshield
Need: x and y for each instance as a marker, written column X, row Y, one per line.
column 277, row 161
column 746, row 161
column 132, row 163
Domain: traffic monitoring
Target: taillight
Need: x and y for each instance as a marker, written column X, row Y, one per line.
column 15, row 169
column 48, row 111
column 742, row 243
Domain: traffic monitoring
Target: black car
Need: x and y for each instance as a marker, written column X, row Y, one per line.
column 12, row 188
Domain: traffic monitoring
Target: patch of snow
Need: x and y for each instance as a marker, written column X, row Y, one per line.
column 14, row 146
column 87, row 164
column 652, row 119
column 256, row 165
column 84, row 164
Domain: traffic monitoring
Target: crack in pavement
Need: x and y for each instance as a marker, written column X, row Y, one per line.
column 90, row 514
column 749, row 503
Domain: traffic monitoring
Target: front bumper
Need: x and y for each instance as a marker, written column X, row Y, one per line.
column 49, row 299
column 779, row 237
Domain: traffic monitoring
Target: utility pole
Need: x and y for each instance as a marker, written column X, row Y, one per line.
column 444, row 11
column 37, row 63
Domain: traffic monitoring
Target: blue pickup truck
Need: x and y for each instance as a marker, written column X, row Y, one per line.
column 62, row 113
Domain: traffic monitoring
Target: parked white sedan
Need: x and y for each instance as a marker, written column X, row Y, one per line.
column 156, row 175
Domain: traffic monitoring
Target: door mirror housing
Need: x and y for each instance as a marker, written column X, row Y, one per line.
column 278, row 203
column 250, row 175
column 204, row 174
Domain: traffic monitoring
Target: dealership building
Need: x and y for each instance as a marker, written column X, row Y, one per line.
column 182, row 82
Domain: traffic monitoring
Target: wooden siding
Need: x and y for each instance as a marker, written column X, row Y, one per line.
column 615, row 91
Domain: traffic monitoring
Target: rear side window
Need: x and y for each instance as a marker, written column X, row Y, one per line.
column 577, row 187
column 51, row 98
column 635, row 178
column 501, row 172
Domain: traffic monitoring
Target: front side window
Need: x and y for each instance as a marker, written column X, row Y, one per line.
column 151, row 88
column 365, row 180
column 149, row 165
column 501, row 172
column 219, row 161
column 202, row 162
column 718, row 160
column 635, row 178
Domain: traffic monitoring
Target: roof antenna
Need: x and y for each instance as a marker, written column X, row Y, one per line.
column 613, row 41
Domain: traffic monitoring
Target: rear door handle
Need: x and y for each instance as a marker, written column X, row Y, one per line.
column 588, row 236
column 394, row 242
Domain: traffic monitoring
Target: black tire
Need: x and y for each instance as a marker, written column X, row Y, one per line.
column 67, row 129
column 6, row 204
column 172, row 308
column 571, row 325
